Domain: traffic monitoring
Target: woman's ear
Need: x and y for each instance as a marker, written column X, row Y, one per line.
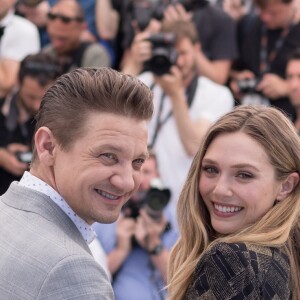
column 287, row 186
column 45, row 144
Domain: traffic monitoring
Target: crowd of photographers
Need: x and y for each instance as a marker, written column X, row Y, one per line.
column 200, row 58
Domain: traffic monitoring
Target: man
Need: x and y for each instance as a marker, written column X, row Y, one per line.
column 216, row 34
column 293, row 83
column 37, row 73
column 90, row 144
column 266, row 41
column 36, row 12
column 18, row 38
column 65, row 27
column 138, row 245
column 185, row 106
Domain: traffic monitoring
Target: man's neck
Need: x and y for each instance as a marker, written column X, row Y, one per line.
column 23, row 116
column 187, row 81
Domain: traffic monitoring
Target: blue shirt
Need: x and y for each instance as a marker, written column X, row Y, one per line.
column 137, row 278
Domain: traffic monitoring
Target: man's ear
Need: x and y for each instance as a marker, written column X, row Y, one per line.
column 45, row 145
column 287, row 186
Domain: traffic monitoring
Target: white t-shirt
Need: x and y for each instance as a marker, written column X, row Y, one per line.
column 20, row 38
column 210, row 101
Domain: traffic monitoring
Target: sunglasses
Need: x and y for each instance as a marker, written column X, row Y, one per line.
column 64, row 19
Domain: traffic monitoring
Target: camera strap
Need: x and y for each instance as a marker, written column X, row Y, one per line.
column 265, row 58
column 190, row 93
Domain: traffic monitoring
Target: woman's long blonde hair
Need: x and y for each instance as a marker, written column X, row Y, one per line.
column 280, row 225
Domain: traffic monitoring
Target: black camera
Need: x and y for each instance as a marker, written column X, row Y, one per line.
column 164, row 54
column 248, row 85
column 153, row 201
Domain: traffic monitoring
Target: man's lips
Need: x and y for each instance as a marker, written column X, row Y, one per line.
column 107, row 195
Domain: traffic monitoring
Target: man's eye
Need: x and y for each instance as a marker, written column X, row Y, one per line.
column 137, row 164
column 109, row 156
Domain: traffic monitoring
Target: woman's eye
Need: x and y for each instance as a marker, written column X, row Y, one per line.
column 210, row 170
column 245, row 175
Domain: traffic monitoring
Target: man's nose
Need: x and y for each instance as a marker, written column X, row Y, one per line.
column 124, row 179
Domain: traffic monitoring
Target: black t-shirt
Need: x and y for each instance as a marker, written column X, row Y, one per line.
column 22, row 134
column 249, row 33
column 217, row 33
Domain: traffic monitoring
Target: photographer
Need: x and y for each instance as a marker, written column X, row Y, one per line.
column 215, row 29
column 266, row 39
column 138, row 243
column 37, row 73
column 185, row 104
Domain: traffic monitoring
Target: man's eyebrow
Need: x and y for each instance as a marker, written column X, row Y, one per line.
column 113, row 148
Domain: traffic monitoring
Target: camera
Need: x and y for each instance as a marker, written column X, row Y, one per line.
column 24, row 157
column 163, row 53
column 153, row 201
column 248, row 85
column 144, row 10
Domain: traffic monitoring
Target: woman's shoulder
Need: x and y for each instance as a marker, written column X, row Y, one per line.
column 246, row 250
column 228, row 270
column 243, row 255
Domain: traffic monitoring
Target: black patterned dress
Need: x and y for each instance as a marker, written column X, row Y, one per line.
column 241, row 271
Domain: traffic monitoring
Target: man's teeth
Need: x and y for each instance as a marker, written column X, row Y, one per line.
column 106, row 195
column 227, row 209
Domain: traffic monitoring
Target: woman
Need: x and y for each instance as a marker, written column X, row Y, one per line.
column 238, row 212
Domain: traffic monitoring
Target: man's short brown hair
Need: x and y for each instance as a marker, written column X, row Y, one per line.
column 181, row 29
column 264, row 3
column 68, row 102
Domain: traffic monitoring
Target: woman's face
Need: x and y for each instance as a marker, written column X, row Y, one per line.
column 237, row 182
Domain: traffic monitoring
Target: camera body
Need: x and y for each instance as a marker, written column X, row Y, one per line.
column 24, row 157
column 153, row 201
column 248, row 85
column 164, row 54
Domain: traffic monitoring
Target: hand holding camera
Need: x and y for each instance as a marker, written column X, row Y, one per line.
column 272, row 86
column 10, row 161
column 148, row 231
column 125, row 231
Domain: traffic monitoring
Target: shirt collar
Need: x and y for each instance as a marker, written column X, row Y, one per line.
column 30, row 181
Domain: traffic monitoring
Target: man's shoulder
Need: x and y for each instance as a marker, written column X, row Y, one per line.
column 211, row 86
column 47, row 247
column 146, row 77
column 94, row 55
column 41, row 221
column 22, row 24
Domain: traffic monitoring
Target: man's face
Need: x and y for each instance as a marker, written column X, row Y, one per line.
column 5, row 6
column 149, row 172
column 277, row 14
column 102, row 169
column 31, row 94
column 293, row 81
column 186, row 60
column 64, row 36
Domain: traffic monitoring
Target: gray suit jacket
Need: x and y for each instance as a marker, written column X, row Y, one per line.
column 42, row 253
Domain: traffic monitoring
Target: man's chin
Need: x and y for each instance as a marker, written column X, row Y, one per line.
column 107, row 219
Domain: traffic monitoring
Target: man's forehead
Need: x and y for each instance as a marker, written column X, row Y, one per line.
column 66, row 6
